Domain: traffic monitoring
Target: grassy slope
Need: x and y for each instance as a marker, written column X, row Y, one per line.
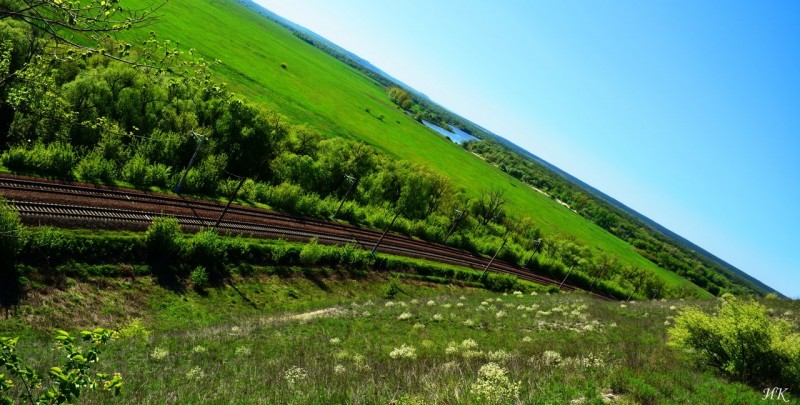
column 232, row 344
column 319, row 90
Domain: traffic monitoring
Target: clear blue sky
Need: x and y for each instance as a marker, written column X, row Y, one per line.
column 688, row 112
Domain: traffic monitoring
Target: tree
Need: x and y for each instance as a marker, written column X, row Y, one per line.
column 489, row 206
column 64, row 21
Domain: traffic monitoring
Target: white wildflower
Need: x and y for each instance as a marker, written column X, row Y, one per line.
column 404, row 316
column 335, row 341
column 389, row 304
column 199, row 349
column 452, row 348
column 551, row 358
column 339, row 369
column 500, row 314
column 437, row 317
column 159, row 353
column 365, row 314
column 500, row 356
column 527, row 339
column 414, row 301
column 295, row 375
column 419, row 326
column 468, row 344
column 493, row 385
column 460, row 304
column 196, row 373
column 243, row 351
column 469, row 322
column 404, row 352
column 431, row 303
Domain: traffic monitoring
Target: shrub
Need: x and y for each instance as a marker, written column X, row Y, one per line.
column 209, row 250
column 311, row 253
column 49, row 245
column 95, row 167
column 135, row 170
column 392, row 289
column 199, row 277
column 743, row 342
column 56, row 159
column 162, row 243
column 10, row 232
column 158, row 175
column 10, row 245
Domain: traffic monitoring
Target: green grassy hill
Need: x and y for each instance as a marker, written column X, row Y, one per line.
column 322, row 338
column 317, row 89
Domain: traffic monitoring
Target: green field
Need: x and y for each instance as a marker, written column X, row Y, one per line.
column 326, row 338
column 319, row 90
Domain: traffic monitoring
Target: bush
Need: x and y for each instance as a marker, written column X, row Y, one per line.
column 163, row 243
column 311, row 253
column 199, row 277
column 56, row 159
column 135, row 170
column 392, row 289
column 49, row 245
column 10, row 245
column 209, row 250
column 743, row 342
column 95, row 167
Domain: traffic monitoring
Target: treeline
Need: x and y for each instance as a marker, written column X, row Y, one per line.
column 99, row 120
column 651, row 244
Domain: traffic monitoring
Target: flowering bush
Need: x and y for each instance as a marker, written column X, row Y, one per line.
column 743, row 341
column 404, row 352
column 493, row 385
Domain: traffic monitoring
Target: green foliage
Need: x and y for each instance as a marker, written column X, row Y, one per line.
column 743, row 342
column 10, row 245
column 209, row 250
column 54, row 159
column 163, row 244
column 392, row 288
column 311, row 253
column 93, row 167
column 199, row 277
column 10, row 235
column 67, row 380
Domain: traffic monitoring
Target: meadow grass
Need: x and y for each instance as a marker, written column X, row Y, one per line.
column 319, row 90
column 273, row 339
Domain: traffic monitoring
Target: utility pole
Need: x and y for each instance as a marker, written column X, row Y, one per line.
column 453, row 227
column 655, row 292
column 632, row 292
column 599, row 274
column 230, row 200
column 375, row 248
column 201, row 139
column 485, row 269
column 536, row 245
column 352, row 181
column 565, row 277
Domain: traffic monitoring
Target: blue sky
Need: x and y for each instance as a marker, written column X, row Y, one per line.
column 688, row 112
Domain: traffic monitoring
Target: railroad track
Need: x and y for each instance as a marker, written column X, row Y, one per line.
column 31, row 196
